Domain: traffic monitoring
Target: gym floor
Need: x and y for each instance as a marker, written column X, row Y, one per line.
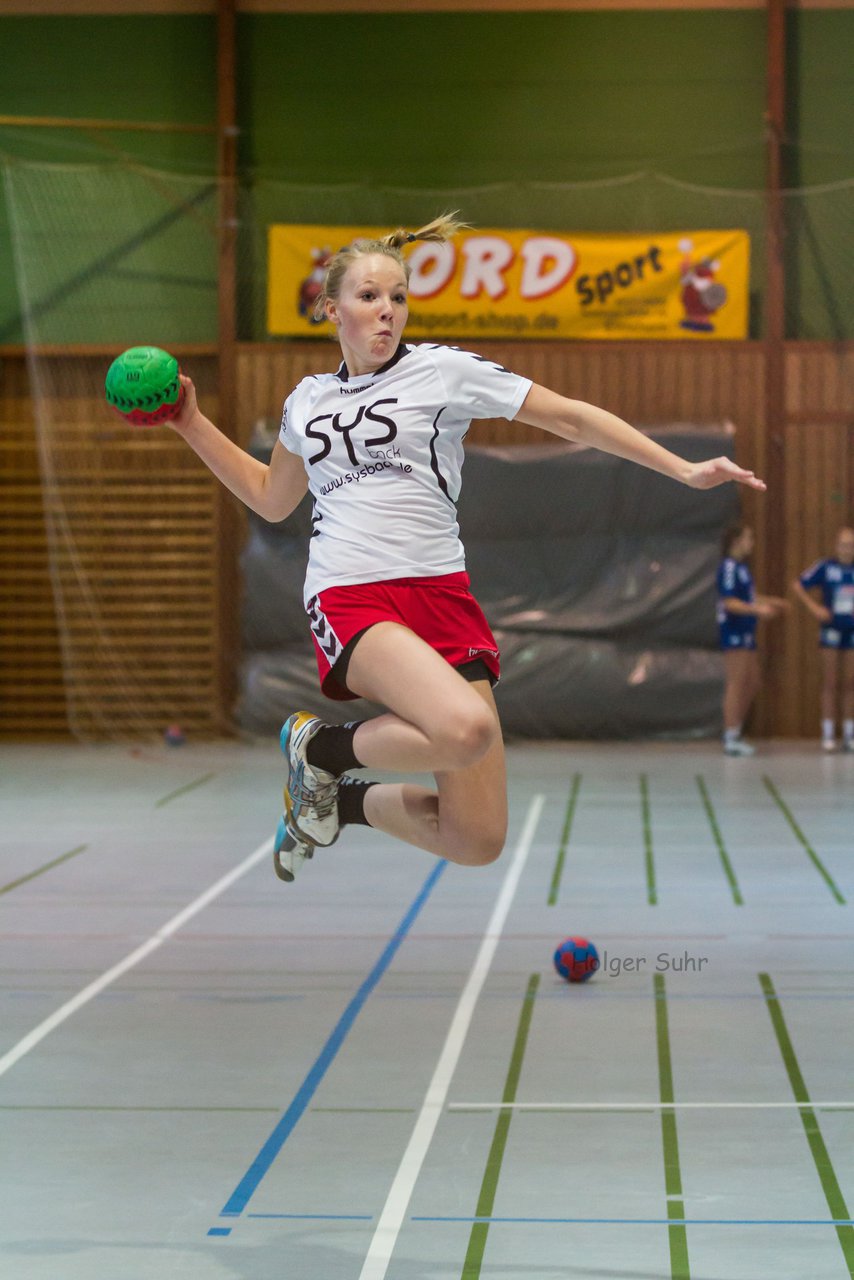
column 376, row 1072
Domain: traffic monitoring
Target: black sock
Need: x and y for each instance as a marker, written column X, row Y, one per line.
column 351, row 801
column 331, row 748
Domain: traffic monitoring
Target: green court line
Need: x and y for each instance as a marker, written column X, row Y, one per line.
column 63, row 857
column 651, row 891
column 787, row 814
column 678, row 1236
column 173, row 795
column 719, row 841
column 564, row 840
column 486, row 1199
column 821, row 1156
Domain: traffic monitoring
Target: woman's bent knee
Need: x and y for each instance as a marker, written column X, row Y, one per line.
column 475, row 848
column 467, row 736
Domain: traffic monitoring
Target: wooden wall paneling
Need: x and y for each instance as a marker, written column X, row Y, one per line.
column 820, row 396
column 644, row 382
column 145, row 514
column 816, row 451
column 32, row 695
column 136, row 574
column 801, row 677
column 793, row 624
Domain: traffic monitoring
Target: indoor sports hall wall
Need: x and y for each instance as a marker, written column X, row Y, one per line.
column 518, row 118
column 156, row 532
column 450, row 102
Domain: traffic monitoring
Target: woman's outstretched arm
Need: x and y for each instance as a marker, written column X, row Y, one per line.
column 587, row 424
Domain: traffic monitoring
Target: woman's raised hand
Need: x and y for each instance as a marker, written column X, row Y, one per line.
column 707, row 475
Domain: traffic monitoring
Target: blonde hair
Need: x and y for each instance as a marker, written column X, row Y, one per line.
column 441, row 229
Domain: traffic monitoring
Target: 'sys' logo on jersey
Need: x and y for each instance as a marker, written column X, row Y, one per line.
column 345, row 425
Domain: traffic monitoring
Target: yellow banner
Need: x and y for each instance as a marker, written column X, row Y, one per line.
column 531, row 284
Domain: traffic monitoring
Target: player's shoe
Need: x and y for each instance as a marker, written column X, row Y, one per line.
column 828, row 745
column 848, row 745
column 739, row 748
column 311, row 794
column 289, row 851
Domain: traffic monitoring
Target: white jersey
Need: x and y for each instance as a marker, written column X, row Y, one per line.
column 384, row 456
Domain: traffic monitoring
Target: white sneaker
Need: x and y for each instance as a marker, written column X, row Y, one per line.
column 311, row 794
column 289, row 851
column 848, row 745
column 828, row 744
column 739, row 748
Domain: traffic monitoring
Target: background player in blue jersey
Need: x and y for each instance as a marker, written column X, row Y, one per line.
column 739, row 610
column 399, row 626
column 835, row 614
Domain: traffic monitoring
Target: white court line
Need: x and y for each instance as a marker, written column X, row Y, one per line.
column 636, row 1106
column 156, row 940
column 391, row 1219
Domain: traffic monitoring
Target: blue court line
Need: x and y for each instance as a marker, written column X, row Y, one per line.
column 248, row 1184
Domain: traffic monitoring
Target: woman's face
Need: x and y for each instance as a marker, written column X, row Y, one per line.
column 845, row 546
column 743, row 545
column 370, row 311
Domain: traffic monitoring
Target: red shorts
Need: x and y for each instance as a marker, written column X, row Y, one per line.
column 441, row 610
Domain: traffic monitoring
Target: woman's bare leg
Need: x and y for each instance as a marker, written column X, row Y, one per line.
column 737, row 687
column 752, row 682
column 830, row 672
column 465, row 820
column 846, row 679
column 437, row 721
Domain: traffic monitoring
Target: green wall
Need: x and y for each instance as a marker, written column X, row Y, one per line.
column 492, row 112
column 465, row 99
column 821, row 127
column 139, row 67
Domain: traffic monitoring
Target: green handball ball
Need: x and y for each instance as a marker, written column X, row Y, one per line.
column 142, row 385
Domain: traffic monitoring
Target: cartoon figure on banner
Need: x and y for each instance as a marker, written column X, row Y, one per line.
column 309, row 290
column 701, row 295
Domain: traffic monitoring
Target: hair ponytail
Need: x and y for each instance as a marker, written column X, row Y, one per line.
column 440, row 229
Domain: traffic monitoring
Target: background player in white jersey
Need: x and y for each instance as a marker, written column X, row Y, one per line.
column 379, row 446
column 835, row 614
column 739, row 610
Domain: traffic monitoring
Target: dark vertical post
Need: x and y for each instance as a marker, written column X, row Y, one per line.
column 229, row 519
column 773, row 507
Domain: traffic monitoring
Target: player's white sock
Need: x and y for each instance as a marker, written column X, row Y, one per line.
column 828, row 730
column 732, row 735
column 848, row 730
